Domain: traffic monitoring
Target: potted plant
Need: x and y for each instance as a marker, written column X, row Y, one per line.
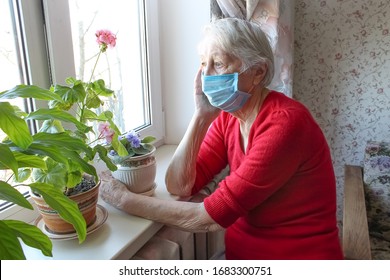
column 137, row 170
column 55, row 160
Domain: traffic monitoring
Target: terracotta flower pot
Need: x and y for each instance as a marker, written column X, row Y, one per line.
column 138, row 173
column 87, row 202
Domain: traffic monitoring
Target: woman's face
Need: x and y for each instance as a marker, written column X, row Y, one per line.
column 215, row 61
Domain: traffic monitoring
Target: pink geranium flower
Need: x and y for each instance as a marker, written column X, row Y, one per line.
column 105, row 38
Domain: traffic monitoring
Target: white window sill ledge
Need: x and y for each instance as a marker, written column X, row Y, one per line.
column 121, row 236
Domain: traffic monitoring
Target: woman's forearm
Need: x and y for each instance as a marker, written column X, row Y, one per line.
column 181, row 173
column 189, row 216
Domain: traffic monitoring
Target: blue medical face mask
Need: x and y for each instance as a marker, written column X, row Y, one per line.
column 222, row 92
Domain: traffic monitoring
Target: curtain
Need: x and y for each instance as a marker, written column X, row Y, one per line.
column 276, row 19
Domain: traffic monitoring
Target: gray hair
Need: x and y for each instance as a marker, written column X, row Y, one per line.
column 244, row 40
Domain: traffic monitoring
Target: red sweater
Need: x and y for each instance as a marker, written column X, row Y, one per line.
column 279, row 201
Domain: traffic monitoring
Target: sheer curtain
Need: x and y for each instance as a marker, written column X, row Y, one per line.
column 276, row 18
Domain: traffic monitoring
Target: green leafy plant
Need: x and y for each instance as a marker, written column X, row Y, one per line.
column 55, row 159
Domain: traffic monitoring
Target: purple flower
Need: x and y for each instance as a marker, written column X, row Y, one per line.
column 112, row 153
column 134, row 139
column 136, row 142
column 130, row 135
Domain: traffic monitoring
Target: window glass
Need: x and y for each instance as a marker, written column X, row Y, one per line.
column 10, row 65
column 10, row 70
column 120, row 67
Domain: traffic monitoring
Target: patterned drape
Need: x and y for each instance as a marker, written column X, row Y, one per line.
column 276, row 19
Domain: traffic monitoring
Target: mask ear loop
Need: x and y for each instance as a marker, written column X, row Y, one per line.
column 253, row 86
column 246, row 69
column 251, row 89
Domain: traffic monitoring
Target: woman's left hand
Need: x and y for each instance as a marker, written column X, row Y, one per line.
column 202, row 104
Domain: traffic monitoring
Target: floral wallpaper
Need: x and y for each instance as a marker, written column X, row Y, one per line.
column 342, row 74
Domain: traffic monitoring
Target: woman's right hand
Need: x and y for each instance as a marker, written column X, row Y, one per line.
column 202, row 104
column 113, row 191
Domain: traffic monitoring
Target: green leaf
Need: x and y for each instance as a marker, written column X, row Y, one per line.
column 55, row 174
column 19, row 112
column 10, row 194
column 148, row 146
column 75, row 173
column 10, row 248
column 108, row 114
column 54, row 152
column 61, row 147
column 66, row 208
column 71, row 95
column 51, row 126
column 118, row 146
column 148, row 139
column 25, row 160
column 141, row 150
column 84, row 165
column 100, row 89
column 8, row 160
column 14, row 126
column 74, row 178
column 93, row 100
column 28, row 91
column 29, row 160
column 61, row 141
column 90, row 115
column 31, row 236
column 81, row 135
column 72, row 81
column 57, row 114
column 131, row 153
column 24, row 174
column 102, row 151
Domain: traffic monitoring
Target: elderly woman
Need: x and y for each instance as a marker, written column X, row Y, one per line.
column 279, row 200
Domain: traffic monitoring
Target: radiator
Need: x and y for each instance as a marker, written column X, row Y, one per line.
column 173, row 244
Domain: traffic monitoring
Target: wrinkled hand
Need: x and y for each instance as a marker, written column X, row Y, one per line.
column 113, row 191
column 202, row 104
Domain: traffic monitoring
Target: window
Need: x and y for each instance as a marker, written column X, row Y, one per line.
column 122, row 67
column 14, row 58
column 131, row 68
column 57, row 37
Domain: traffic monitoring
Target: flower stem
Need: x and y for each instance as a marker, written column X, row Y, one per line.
column 86, row 89
column 10, row 177
column 94, row 67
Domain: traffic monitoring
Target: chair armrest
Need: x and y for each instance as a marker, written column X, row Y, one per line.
column 356, row 240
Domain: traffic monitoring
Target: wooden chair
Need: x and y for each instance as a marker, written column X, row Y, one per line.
column 355, row 239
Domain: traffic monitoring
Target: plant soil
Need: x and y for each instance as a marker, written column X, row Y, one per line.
column 85, row 185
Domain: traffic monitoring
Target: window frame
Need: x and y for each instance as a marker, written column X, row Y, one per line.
column 53, row 64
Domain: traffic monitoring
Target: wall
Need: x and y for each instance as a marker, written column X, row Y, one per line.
column 342, row 73
column 181, row 24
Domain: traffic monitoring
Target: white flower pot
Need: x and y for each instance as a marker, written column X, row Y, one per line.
column 138, row 173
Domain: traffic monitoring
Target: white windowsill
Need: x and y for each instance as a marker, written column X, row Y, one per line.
column 121, row 236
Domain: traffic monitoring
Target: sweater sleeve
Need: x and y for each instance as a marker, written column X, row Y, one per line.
column 273, row 157
column 212, row 156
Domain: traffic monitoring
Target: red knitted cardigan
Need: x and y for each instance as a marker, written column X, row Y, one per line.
column 279, row 201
